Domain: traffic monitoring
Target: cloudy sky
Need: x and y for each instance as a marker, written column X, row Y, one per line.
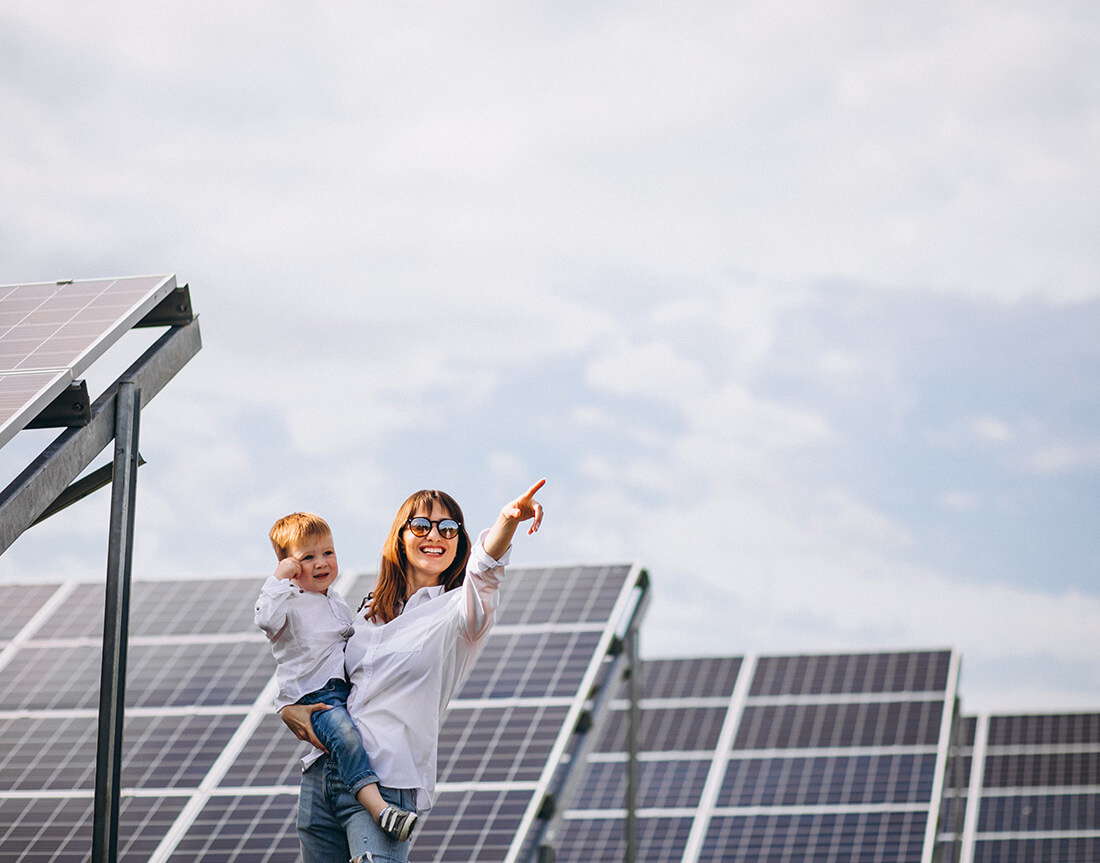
column 795, row 303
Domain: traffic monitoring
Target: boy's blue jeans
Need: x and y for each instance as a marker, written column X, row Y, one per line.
column 336, row 729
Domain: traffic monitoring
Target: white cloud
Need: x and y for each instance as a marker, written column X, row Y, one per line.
column 599, row 238
column 1064, row 458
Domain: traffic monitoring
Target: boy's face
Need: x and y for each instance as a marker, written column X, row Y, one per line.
column 317, row 557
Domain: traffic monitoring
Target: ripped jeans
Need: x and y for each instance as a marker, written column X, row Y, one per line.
column 333, row 827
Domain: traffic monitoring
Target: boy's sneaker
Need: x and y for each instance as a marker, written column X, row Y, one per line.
column 397, row 822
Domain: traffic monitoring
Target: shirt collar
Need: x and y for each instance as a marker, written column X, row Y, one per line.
column 423, row 595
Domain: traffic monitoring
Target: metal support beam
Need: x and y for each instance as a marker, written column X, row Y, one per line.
column 116, row 615
column 32, row 492
column 557, row 801
column 633, row 732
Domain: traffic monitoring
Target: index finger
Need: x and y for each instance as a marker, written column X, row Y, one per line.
column 530, row 493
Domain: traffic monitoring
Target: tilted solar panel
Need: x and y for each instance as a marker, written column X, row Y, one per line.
column 209, row 773
column 785, row 759
column 51, row 332
column 1028, row 789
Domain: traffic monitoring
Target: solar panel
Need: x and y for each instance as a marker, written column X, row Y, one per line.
column 209, row 773
column 779, row 758
column 50, row 333
column 1029, row 789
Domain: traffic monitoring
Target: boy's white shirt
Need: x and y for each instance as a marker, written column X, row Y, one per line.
column 307, row 632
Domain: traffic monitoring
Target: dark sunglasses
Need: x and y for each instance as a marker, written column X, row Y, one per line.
column 420, row 526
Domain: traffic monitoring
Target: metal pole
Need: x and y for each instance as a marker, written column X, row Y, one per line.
column 116, row 613
column 634, row 689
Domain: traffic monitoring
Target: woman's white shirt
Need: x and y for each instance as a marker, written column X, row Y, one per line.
column 404, row 673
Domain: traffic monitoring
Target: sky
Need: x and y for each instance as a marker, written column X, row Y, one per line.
column 795, row 304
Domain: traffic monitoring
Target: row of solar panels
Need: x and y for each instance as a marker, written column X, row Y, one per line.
column 849, row 757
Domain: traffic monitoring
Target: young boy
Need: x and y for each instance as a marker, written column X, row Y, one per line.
column 308, row 624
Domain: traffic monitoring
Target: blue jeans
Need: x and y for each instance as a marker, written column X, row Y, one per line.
column 333, row 827
column 336, row 729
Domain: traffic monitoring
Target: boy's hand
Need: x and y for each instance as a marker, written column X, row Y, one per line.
column 288, row 568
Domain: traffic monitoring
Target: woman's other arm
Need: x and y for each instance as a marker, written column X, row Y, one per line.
column 297, row 717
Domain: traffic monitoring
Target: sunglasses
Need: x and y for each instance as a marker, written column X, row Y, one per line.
column 420, row 526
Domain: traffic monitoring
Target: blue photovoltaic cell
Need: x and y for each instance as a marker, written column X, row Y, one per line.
column 59, row 753
column 1072, row 849
column 850, row 780
column 271, row 756
column 18, row 604
column 59, row 830
column 840, row 674
column 252, row 829
column 163, row 608
column 50, row 333
column 1042, row 769
column 498, row 744
column 665, row 784
column 667, row 729
column 455, row 829
column 51, row 678
column 659, row 839
column 531, row 665
column 561, row 595
column 711, row 677
column 864, row 837
column 1032, row 813
column 1049, row 729
column 891, row 723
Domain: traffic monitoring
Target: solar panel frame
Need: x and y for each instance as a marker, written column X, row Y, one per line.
column 51, row 332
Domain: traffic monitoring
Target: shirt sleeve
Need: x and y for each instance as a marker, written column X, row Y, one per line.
column 270, row 613
column 484, row 575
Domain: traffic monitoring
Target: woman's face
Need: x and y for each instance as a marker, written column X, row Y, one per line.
column 428, row 557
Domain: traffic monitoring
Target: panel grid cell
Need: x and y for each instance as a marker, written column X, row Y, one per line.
column 661, row 784
column 1044, row 730
column 665, row 729
column 561, row 596
column 839, row 674
column 1042, row 770
column 270, row 757
column 455, row 831
column 59, row 753
column 849, row 780
column 587, row 839
column 246, row 829
column 801, row 726
column 162, row 608
column 51, row 332
column 531, row 665
column 18, row 604
column 710, row 677
column 1072, row 849
column 1036, row 813
column 864, row 837
column 498, row 744
column 59, row 830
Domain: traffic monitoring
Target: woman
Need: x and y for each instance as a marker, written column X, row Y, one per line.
column 429, row 613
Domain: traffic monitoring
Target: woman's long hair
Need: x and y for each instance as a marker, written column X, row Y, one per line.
column 391, row 590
